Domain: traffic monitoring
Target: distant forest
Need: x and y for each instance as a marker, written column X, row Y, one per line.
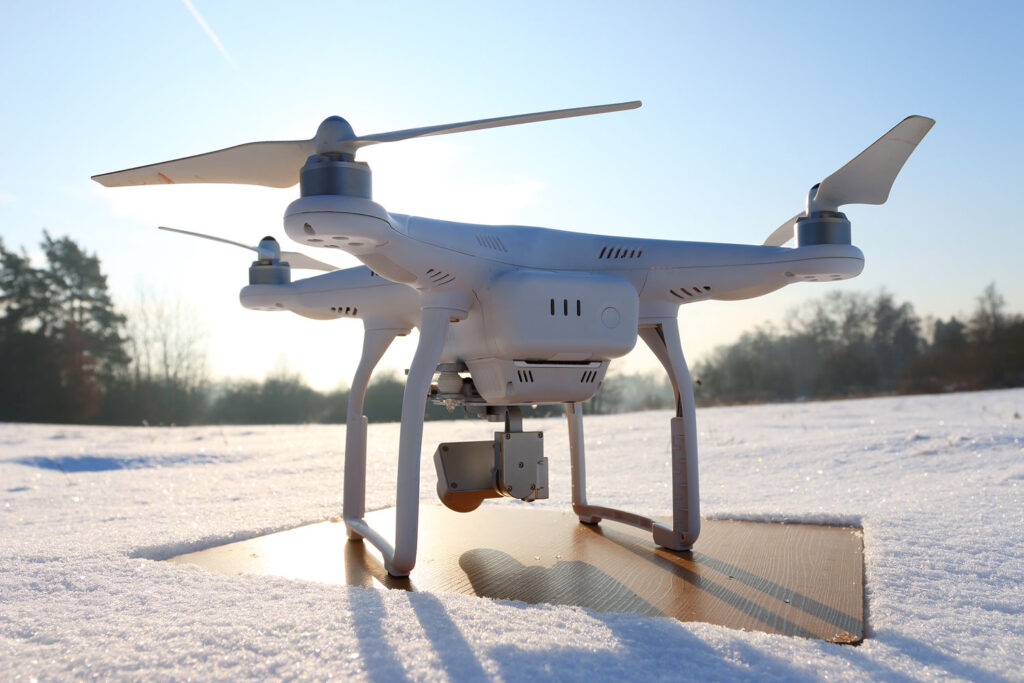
column 67, row 355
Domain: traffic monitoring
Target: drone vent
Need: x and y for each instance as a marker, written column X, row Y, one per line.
column 613, row 252
column 565, row 307
column 491, row 242
column 525, row 376
column 344, row 310
column 685, row 294
column 588, row 376
column 439, row 278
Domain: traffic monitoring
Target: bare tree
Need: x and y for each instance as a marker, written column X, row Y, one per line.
column 168, row 351
column 989, row 317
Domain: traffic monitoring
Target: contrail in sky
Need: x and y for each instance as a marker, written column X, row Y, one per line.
column 209, row 32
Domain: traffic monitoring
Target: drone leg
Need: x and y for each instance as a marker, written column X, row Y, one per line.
column 577, row 458
column 433, row 329
column 375, row 343
column 663, row 339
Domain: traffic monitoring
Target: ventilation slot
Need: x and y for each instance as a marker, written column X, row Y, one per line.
column 685, row 294
column 344, row 310
column 491, row 242
column 566, row 307
column 613, row 252
column 525, row 376
column 588, row 376
column 439, row 278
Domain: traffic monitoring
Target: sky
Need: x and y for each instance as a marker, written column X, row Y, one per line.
column 746, row 105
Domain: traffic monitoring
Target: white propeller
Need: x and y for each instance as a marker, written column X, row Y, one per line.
column 783, row 233
column 302, row 262
column 274, row 164
column 481, row 124
column 268, row 248
column 866, row 179
column 277, row 163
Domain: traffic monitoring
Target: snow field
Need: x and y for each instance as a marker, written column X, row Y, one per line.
column 936, row 482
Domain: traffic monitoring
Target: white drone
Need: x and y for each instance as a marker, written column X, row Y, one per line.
column 508, row 315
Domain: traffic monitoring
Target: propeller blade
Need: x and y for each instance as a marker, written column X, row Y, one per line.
column 868, row 178
column 273, row 164
column 278, row 163
column 481, row 124
column 213, row 238
column 294, row 259
column 783, row 233
column 303, row 262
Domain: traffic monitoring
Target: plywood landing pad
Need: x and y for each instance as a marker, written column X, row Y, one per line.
column 794, row 579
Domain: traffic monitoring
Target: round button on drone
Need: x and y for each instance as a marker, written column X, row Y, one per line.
column 610, row 317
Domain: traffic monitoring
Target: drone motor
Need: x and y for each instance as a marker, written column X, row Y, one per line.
column 331, row 174
column 821, row 226
column 269, row 269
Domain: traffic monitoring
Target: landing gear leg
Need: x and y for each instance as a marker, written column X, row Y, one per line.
column 663, row 338
column 375, row 344
column 577, row 458
column 400, row 559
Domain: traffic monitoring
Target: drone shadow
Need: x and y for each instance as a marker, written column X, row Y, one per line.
column 497, row 575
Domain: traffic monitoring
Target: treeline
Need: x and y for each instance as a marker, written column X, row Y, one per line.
column 857, row 344
column 68, row 356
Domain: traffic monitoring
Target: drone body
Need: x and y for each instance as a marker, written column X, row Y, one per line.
column 513, row 315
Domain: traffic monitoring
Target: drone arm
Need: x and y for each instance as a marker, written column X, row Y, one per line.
column 375, row 344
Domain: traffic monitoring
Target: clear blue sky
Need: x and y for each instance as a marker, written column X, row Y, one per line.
column 745, row 106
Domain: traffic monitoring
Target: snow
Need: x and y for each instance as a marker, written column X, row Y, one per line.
column 936, row 482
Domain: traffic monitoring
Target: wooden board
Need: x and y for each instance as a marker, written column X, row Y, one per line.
column 794, row 579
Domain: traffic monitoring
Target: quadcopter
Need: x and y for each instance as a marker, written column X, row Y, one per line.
column 511, row 315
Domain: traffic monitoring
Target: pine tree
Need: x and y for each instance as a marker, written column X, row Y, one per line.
column 60, row 336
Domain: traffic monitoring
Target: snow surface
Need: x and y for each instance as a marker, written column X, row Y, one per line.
column 936, row 482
